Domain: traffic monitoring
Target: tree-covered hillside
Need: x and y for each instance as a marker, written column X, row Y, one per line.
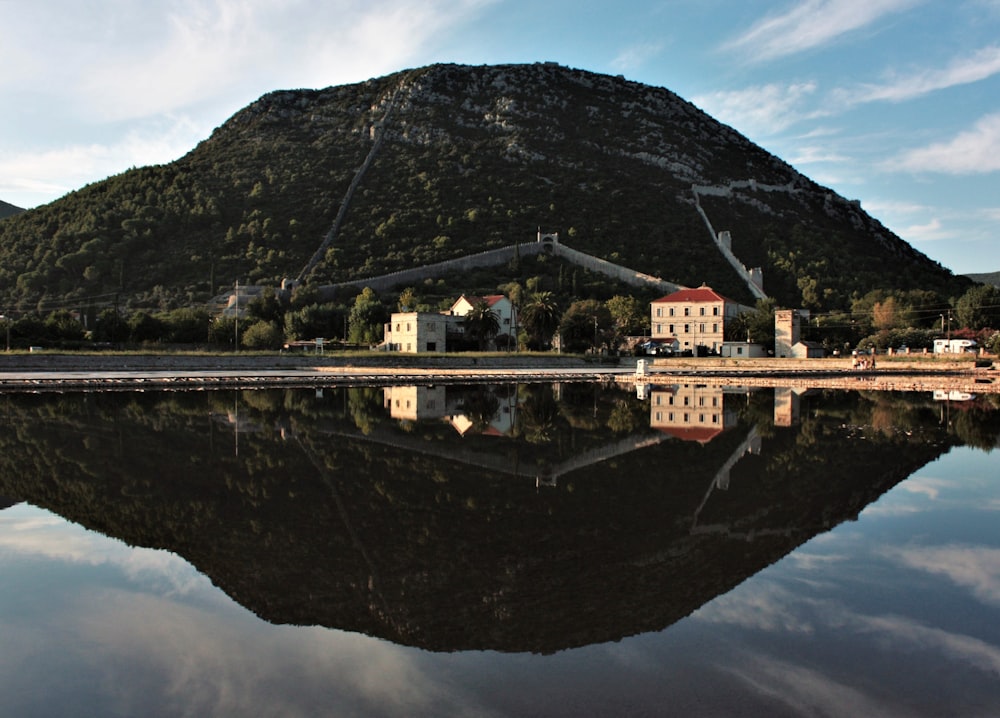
column 456, row 160
column 8, row 210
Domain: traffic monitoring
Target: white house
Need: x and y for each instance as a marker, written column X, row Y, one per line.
column 500, row 305
column 419, row 332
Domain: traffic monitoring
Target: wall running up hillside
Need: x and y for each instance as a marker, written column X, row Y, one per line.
column 503, row 255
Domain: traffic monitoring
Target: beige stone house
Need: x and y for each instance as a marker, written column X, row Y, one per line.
column 695, row 318
column 691, row 412
column 419, row 332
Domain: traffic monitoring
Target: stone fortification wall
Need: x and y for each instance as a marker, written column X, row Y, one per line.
column 601, row 266
column 494, row 257
column 753, row 278
column 405, row 277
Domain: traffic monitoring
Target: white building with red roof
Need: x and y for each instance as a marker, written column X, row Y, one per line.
column 694, row 318
column 504, row 309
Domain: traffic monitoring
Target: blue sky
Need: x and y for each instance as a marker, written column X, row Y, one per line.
column 895, row 103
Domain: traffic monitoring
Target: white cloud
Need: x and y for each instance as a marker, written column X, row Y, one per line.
column 812, row 155
column 812, row 24
column 802, row 690
column 761, row 110
column 26, row 178
column 975, row 151
column 972, row 651
column 928, row 232
column 636, row 56
column 761, row 606
column 973, row 567
column 37, row 533
column 117, row 60
column 981, row 65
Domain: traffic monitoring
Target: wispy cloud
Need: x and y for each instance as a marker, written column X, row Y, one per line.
column 636, row 56
column 981, row 65
column 975, row 151
column 811, row 24
column 762, row 110
column 976, row 568
column 30, row 173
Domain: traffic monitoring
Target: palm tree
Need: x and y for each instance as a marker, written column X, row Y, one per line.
column 482, row 323
column 539, row 317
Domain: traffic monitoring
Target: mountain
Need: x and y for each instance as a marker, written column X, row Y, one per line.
column 438, row 162
column 986, row 278
column 8, row 210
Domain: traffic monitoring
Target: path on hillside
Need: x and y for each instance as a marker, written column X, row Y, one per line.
column 345, row 203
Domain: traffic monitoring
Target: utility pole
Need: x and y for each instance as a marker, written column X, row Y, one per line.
column 236, row 347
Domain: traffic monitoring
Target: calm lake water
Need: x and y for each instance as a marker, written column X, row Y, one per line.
column 527, row 550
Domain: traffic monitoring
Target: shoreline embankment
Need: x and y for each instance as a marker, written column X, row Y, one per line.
column 20, row 372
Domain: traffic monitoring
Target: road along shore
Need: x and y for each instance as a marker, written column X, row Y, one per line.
column 129, row 372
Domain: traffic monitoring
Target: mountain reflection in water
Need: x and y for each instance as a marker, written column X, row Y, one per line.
column 511, row 518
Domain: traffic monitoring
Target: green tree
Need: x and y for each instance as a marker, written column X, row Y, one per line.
column 266, row 307
column 756, row 326
column 367, row 318
column 587, row 324
column 979, row 308
column 262, row 335
column 186, row 326
column 144, row 327
column 61, row 325
column 629, row 316
column 407, row 301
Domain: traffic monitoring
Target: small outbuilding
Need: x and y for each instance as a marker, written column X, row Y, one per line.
column 742, row 350
column 808, row 350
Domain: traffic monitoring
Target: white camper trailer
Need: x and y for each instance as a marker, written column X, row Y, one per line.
column 953, row 346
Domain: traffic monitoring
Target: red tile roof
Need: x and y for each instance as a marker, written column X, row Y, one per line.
column 701, row 294
column 702, row 435
column 473, row 299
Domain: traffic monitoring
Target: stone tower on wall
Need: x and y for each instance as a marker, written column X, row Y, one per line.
column 786, row 332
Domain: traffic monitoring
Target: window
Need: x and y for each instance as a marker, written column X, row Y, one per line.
column 659, row 329
column 685, row 401
column 715, row 311
column 701, row 328
column 407, row 326
column 715, row 328
column 432, row 346
column 701, row 311
column 671, row 311
column 659, row 311
column 659, row 416
column 687, row 311
column 671, row 328
column 687, row 328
